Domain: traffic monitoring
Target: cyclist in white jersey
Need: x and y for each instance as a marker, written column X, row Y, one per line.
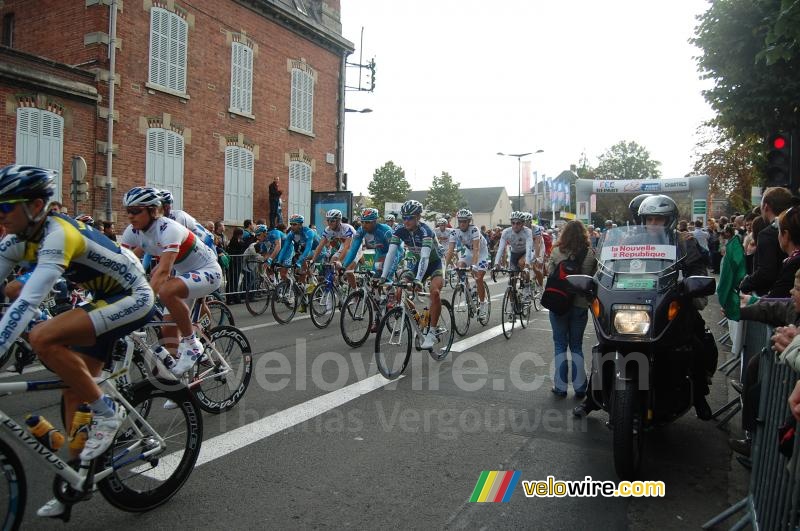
column 341, row 233
column 187, row 268
column 476, row 253
column 519, row 240
column 537, row 264
column 185, row 219
column 390, row 220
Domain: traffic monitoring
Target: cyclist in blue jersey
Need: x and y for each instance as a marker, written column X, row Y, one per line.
column 419, row 239
column 300, row 240
column 373, row 235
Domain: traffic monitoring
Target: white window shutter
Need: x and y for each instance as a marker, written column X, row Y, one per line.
column 235, row 77
column 164, row 162
column 27, row 136
column 182, row 47
column 247, row 80
column 229, row 195
column 300, row 190
column 168, row 49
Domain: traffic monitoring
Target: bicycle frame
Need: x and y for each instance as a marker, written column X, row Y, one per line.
column 77, row 479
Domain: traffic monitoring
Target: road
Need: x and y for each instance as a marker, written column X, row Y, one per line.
column 327, row 443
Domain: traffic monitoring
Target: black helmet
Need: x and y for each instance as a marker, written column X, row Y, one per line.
column 633, row 206
column 660, row 205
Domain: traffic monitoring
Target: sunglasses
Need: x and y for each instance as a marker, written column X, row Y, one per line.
column 516, row 223
column 135, row 211
column 332, row 220
column 7, row 206
column 409, row 218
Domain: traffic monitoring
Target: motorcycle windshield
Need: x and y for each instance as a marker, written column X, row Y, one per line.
column 641, row 254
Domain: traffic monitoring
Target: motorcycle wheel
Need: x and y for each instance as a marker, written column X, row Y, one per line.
column 627, row 422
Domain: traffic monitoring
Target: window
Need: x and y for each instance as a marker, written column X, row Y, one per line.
column 242, row 78
column 168, row 44
column 302, row 113
column 299, row 190
column 164, row 165
column 40, row 141
column 238, row 184
column 8, row 30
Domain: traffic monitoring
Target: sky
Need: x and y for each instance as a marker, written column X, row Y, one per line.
column 459, row 80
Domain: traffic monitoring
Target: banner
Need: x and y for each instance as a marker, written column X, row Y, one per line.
column 640, row 186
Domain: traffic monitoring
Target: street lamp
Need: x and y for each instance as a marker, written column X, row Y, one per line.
column 519, row 171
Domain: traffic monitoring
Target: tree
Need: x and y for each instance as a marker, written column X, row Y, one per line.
column 444, row 196
column 749, row 50
column 731, row 164
column 627, row 160
column 388, row 185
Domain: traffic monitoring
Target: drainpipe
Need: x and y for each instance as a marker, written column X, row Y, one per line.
column 112, row 56
column 340, row 126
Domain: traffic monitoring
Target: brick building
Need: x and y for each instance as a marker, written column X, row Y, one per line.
column 212, row 98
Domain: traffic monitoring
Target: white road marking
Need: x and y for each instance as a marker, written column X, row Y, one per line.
column 273, row 323
column 228, row 442
column 36, row 367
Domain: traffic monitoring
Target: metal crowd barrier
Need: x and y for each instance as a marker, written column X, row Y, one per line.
column 773, row 497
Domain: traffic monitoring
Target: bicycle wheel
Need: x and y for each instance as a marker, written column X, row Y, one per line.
column 509, row 314
column 221, row 314
column 485, row 319
column 460, row 304
column 284, row 302
column 523, row 310
column 219, row 388
column 139, row 484
column 322, row 305
column 257, row 296
column 13, row 488
column 538, row 290
column 445, row 332
column 391, row 355
column 356, row 318
column 452, row 277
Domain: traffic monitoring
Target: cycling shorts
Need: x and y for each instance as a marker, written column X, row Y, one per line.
column 434, row 270
column 514, row 261
column 200, row 283
column 116, row 316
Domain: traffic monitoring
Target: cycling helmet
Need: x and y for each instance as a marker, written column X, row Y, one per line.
column 464, row 214
column 334, row 213
column 26, row 182
column 634, row 205
column 370, row 214
column 85, row 218
column 411, row 208
column 527, row 216
column 166, row 197
column 517, row 216
column 142, row 196
column 297, row 218
column 260, row 229
column 660, row 205
column 389, row 217
column 441, row 221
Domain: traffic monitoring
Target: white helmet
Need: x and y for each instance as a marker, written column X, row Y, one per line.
column 464, row 214
column 333, row 213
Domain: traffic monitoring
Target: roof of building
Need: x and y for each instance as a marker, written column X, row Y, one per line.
column 479, row 200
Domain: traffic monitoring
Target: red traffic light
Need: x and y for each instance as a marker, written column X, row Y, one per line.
column 779, row 142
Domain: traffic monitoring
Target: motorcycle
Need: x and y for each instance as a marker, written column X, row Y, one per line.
column 643, row 314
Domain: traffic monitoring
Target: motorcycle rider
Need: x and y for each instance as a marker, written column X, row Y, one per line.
column 655, row 212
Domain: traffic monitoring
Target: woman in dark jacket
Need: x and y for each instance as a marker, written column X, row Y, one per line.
column 568, row 328
column 236, row 248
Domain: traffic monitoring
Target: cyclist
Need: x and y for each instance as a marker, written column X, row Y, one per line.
column 419, row 239
column 373, row 235
column 187, row 269
column 390, row 221
column 341, row 233
column 186, row 220
column 301, row 241
column 519, row 239
column 540, row 252
column 58, row 245
column 476, row 253
column 86, row 219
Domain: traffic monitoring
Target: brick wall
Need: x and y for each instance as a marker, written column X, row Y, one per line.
column 56, row 29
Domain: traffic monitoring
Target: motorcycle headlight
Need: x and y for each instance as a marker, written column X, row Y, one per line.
column 632, row 319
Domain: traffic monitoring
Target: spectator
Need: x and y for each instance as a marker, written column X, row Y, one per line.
column 235, row 249
column 768, row 256
column 219, row 235
column 751, row 242
column 732, row 271
column 275, row 203
column 713, row 245
column 247, row 232
column 701, row 236
column 55, row 207
column 108, row 230
column 568, row 328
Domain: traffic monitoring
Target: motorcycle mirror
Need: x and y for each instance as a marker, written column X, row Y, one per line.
column 582, row 283
column 698, row 286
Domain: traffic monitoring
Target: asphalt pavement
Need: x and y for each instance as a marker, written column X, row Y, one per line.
column 321, row 440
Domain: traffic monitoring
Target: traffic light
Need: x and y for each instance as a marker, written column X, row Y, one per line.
column 779, row 160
